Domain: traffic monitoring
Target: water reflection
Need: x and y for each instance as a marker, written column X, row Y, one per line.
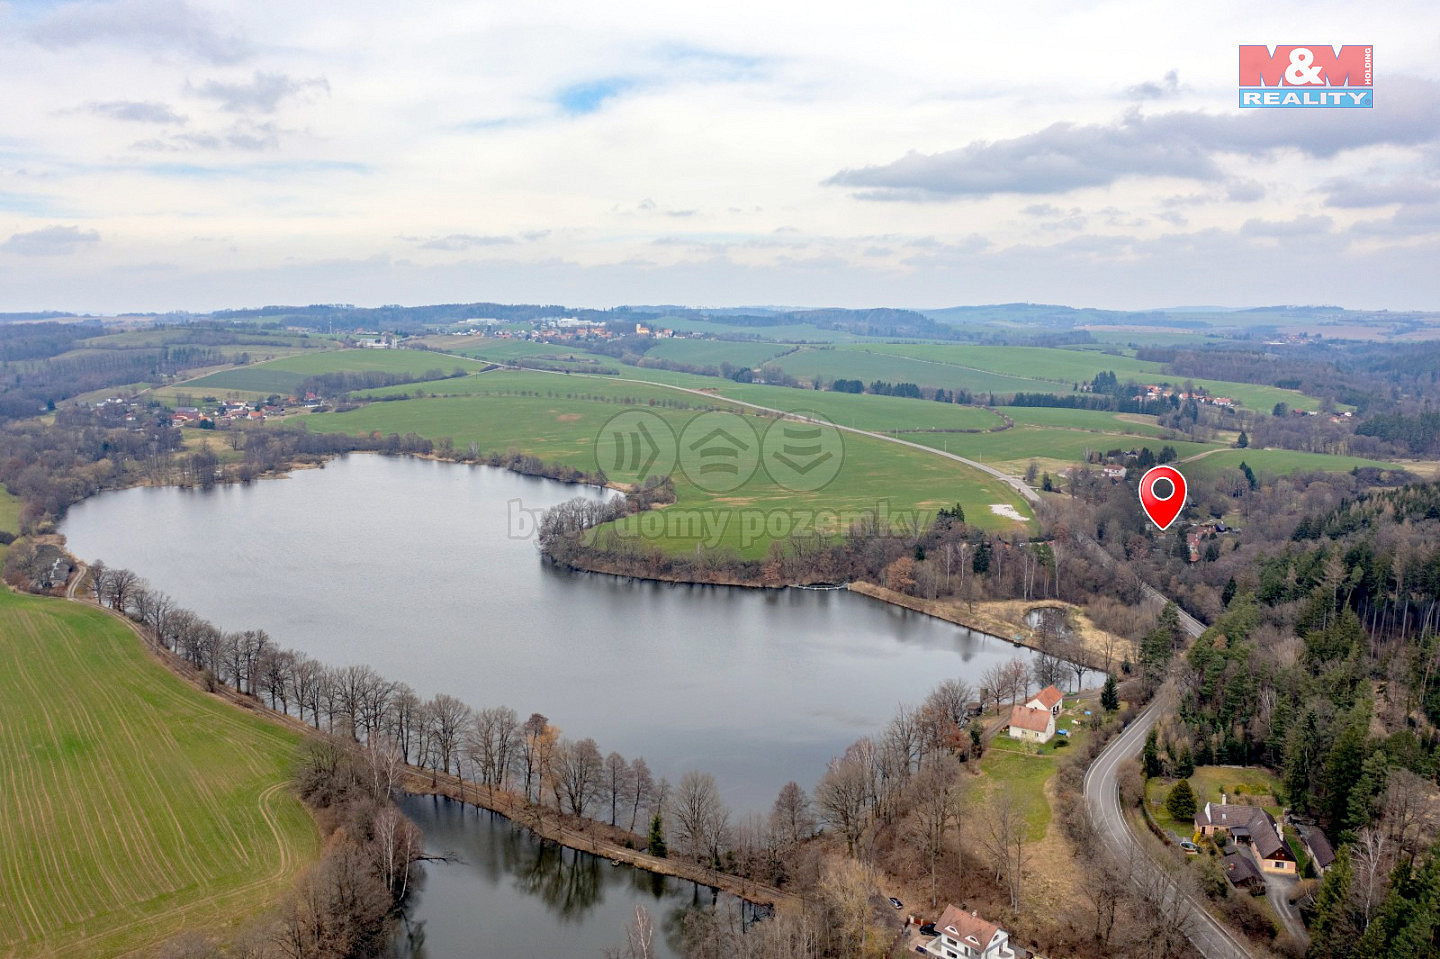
column 501, row 891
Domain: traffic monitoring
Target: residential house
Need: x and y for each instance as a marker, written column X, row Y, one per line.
column 1032, row 725
column 1253, row 826
column 964, row 935
column 1048, row 698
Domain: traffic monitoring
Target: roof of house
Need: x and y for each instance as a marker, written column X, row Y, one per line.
column 1240, row 868
column 1048, row 697
column 1035, row 720
column 1320, row 847
column 1243, row 820
column 966, row 927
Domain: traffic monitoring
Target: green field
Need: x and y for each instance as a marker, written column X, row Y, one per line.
column 134, row 805
column 780, row 332
column 282, row 375
column 9, row 517
column 1013, row 449
column 558, row 418
column 715, row 352
column 868, row 366
column 1095, row 421
column 1061, row 368
column 9, row 511
column 495, row 350
column 1276, row 462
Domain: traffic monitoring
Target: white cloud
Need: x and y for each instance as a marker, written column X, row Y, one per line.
column 50, row 241
column 433, row 151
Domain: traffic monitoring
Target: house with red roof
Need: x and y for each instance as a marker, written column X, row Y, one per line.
column 964, row 935
column 1048, row 698
column 1032, row 725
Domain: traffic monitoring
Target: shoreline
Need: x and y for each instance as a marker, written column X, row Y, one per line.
column 582, row 835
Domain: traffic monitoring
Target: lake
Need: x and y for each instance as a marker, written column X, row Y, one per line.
column 423, row 570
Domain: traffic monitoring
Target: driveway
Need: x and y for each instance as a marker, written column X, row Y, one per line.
column 1279, row 889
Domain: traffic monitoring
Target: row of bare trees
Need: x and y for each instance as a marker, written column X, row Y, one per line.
column 491, row 746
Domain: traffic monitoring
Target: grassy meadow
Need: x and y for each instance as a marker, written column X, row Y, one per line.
column 558, row 418
column 282, row 375
column 1276, row 462
column 135, row 805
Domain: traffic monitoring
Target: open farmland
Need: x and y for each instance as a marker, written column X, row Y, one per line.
column 1053, row 449
column 1062, row 368
column 134, row 805
column 494, row 350
column 1277, row 462
column 1095, row 421
column 558, row 418
column 285, row 374
column 9, row 516
column 867, row 366
column 715, row 352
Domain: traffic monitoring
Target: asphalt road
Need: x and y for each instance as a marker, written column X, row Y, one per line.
column 1102, row 798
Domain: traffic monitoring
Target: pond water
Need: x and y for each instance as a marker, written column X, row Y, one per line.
column 425, row 571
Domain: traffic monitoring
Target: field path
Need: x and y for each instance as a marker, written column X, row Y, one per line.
column 1018, row 485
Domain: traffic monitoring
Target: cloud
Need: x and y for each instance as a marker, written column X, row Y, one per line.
column 1301, row 226
column 240, row 136
column 50, row 241
column 464, row 241
column 1152, row 90
column 135, row 111
column 1351, row 193
column 583, row 98
column 261, row 95
column 1411, row 220
column 148, row 24
column 1067, row 156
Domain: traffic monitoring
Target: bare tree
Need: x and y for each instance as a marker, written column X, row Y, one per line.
column 790, row 818
column 936, row 793
column 642, row 790
column 701, row 819
column 1373, row 857
column 578, row 771
column 617, row 783
column 1004, row 835
column 448, row 718
column 842, row 798
column 995, row 682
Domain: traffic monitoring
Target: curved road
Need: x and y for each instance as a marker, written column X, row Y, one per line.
column 1019, row 485
column 1102, row 798
column 1101, row 785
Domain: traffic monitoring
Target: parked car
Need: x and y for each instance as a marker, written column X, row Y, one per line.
column 896, row 903
column 928, row 929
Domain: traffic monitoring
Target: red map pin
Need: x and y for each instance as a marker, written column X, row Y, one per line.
column 1162, row 502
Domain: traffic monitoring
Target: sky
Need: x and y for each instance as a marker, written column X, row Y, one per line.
column 161, row 155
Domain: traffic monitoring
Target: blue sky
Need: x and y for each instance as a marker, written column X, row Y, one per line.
column 169, row 154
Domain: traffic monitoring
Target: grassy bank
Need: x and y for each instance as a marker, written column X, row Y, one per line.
column 136, row 805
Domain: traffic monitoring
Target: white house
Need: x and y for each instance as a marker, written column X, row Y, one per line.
column 964, row 935
column 1048, row 698
column 1032, row 725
